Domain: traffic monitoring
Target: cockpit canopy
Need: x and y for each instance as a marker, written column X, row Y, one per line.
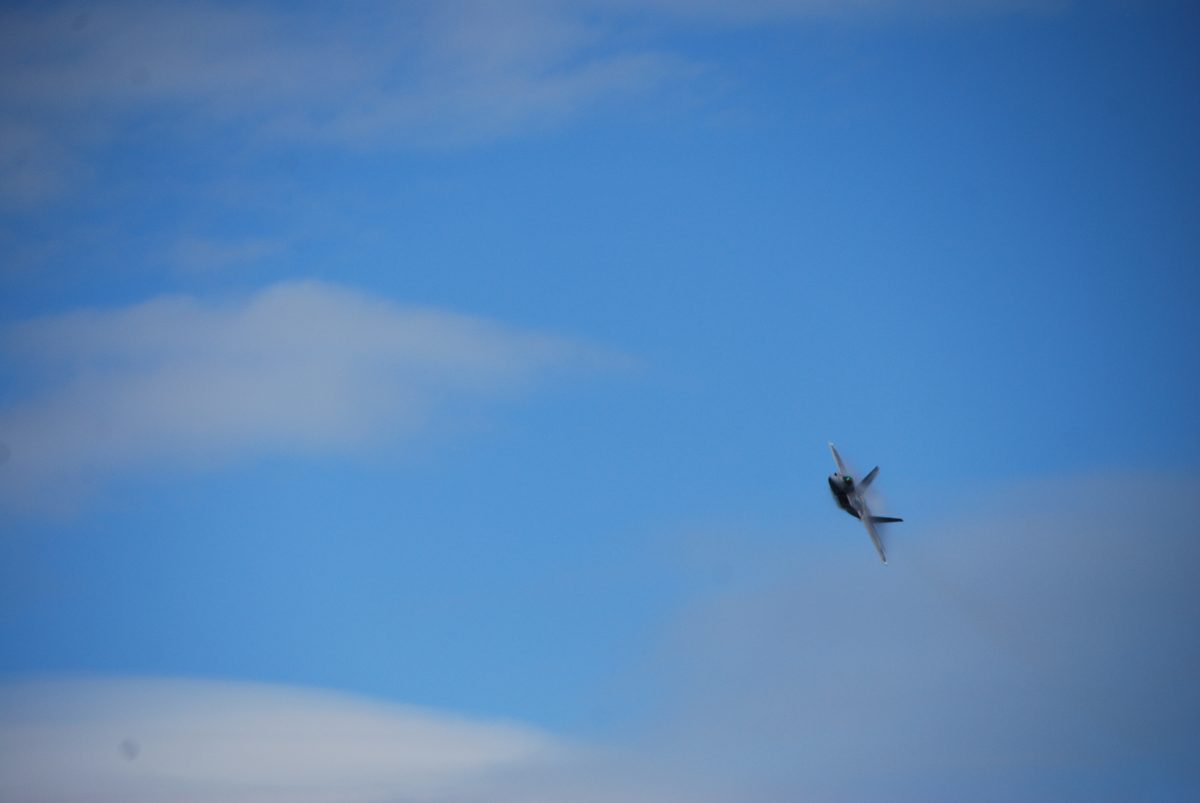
column 841, row 480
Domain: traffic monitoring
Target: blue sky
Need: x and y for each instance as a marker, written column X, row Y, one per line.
column 481, row 358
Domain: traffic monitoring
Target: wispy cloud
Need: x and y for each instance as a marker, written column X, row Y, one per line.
column 373, row 76
column 472, row 71
column 758, row 11
column 34, row 165
column 207, row 254
column 300, row 367
column 378, row 75
column 177, row 741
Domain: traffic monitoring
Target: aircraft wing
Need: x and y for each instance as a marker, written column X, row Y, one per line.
column 869, row 522
column 837, row 458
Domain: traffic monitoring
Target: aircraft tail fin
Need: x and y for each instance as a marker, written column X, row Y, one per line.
column 866, row 481
column 885, row 519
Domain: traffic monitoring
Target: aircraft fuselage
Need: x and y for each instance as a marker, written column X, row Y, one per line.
column 841, row 487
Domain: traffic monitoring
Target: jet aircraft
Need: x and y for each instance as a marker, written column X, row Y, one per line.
column 849, row 497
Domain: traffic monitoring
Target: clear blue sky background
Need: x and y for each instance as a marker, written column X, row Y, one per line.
column 960, row 242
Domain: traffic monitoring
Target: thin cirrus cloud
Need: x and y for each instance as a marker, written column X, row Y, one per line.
column 373, row 76
column 299, row 367
column 204, row 255
column 376, row 76
column 757, row 11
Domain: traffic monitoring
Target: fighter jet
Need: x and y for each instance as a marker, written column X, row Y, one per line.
column 849, row 497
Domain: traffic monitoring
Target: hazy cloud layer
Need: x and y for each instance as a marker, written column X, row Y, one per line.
column 1038, row 645
column 300, row 367
column 177, row 741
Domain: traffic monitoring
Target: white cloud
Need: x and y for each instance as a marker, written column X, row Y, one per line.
column 300, row 367
column 69, row 739
column 187, row 741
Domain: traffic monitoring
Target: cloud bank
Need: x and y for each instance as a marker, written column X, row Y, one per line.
column 178, row 741
column 1040, row 646
column 298, row 368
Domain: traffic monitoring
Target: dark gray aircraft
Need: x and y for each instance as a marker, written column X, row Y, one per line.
column 849, row 498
